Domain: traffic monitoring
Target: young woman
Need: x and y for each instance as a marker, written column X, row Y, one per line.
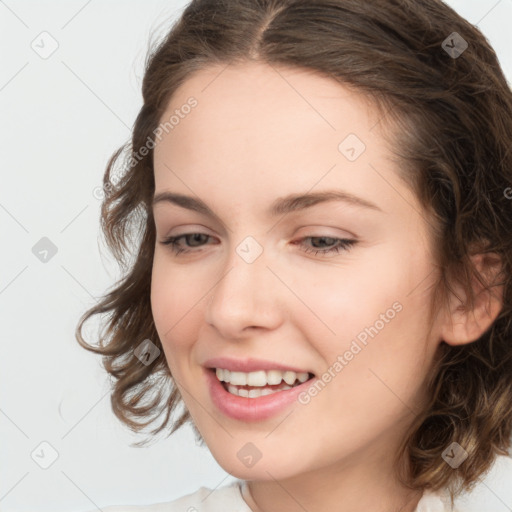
column 319, row 198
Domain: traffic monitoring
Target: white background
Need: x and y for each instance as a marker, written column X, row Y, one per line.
column 61, row 119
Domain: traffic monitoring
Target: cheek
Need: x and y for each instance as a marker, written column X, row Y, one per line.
column 374, row 309
column 349, row 297
column 175, row 307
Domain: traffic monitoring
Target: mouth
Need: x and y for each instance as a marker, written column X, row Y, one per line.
column 254, row 389
column 259, row 383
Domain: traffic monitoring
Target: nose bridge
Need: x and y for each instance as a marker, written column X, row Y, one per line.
column 244, row 296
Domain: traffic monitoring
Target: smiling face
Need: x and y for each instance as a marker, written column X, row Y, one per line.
column 253, row 283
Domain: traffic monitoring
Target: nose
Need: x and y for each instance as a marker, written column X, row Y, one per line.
column 247, row 296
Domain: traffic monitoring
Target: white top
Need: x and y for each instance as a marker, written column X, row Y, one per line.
column 230, row 499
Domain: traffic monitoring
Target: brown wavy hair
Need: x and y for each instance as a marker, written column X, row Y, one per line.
column 453, row 140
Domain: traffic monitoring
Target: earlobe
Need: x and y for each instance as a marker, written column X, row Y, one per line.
column 464, row 324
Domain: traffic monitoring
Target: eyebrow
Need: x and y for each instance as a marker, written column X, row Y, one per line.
column 281, row 206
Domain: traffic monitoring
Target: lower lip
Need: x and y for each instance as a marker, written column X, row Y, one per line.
column 251, row 409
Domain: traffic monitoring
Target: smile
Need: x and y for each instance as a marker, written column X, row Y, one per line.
column 256, row 395
column 259, row 383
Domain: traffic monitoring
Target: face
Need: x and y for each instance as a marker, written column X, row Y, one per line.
column 336, row 290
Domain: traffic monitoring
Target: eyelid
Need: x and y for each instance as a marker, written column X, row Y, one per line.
column 323, row 215
column 185, row 229
column 325, row 231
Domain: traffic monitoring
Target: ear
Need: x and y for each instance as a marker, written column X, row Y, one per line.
column 463, row 325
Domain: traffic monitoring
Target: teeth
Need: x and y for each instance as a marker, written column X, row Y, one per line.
column 255, row 393
column 289, row 377
column 260, row 378
column 237, row 378
column 303, row 377
column 274, row 377
column 257, row 378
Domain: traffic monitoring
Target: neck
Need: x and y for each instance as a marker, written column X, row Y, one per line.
column 351, row 486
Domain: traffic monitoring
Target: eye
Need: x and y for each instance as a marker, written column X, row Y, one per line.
column 337, row 244
column 173, row 241
column 195, row 239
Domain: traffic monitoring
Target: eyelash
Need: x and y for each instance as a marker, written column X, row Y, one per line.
column 344, row 244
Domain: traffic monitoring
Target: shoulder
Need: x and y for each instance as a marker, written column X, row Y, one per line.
column 204, row 499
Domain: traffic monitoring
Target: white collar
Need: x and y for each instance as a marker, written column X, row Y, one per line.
column 430, row 501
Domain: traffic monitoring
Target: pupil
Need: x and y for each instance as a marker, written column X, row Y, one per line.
column 196, row 238
column 322, row 238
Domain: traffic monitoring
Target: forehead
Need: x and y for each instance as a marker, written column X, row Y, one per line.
column 262, row 100
column 258, row 130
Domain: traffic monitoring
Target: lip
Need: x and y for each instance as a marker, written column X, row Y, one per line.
column 251, row 409
column 249, row 365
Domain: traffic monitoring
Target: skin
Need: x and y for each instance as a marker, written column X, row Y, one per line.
column 259, row 133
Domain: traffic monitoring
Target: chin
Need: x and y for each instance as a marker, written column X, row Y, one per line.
column 248, row 460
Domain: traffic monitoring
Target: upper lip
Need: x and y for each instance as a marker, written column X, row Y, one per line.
column 250, row 365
